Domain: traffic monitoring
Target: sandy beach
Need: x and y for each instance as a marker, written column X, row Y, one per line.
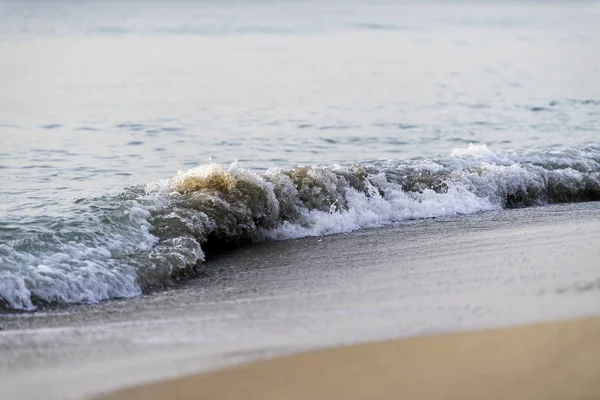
column 283, row 199
column 558, row 360
column 417, row 284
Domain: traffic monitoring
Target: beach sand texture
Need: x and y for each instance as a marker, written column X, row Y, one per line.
column 543, row 361
column 415, row 281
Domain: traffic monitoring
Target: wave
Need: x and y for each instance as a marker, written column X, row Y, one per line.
column 147, row 237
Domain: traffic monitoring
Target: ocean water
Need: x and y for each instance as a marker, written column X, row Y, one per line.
column 138, row 139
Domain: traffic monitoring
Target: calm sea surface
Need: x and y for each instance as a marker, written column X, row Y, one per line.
column 102, row 103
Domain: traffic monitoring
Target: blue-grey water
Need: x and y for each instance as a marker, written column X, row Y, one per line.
column 397, row 109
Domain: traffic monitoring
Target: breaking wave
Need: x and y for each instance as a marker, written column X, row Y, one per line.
column 146, row 237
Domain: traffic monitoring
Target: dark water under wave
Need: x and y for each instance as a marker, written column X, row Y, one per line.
column 319, row 118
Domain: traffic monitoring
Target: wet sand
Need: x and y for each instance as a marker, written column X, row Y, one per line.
column 544, row 361
column 276, row 299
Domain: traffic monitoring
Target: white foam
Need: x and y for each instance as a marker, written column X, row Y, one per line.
column 376, row 211
column 478, row 152
column 479, row 180
column 82, row 268
column 14, row 290
column 585, row 159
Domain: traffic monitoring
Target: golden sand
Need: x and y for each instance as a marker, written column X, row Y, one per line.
column 544, row 361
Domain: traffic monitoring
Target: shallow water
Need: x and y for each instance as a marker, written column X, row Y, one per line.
column 102, row 103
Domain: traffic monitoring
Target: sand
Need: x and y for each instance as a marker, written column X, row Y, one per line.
column 544, row 361
column 276, row 299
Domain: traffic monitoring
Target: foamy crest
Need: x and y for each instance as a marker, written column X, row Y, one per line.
column 377, row 210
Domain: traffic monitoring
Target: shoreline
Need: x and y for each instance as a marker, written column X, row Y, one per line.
column 279, row 298
column 532, row 361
